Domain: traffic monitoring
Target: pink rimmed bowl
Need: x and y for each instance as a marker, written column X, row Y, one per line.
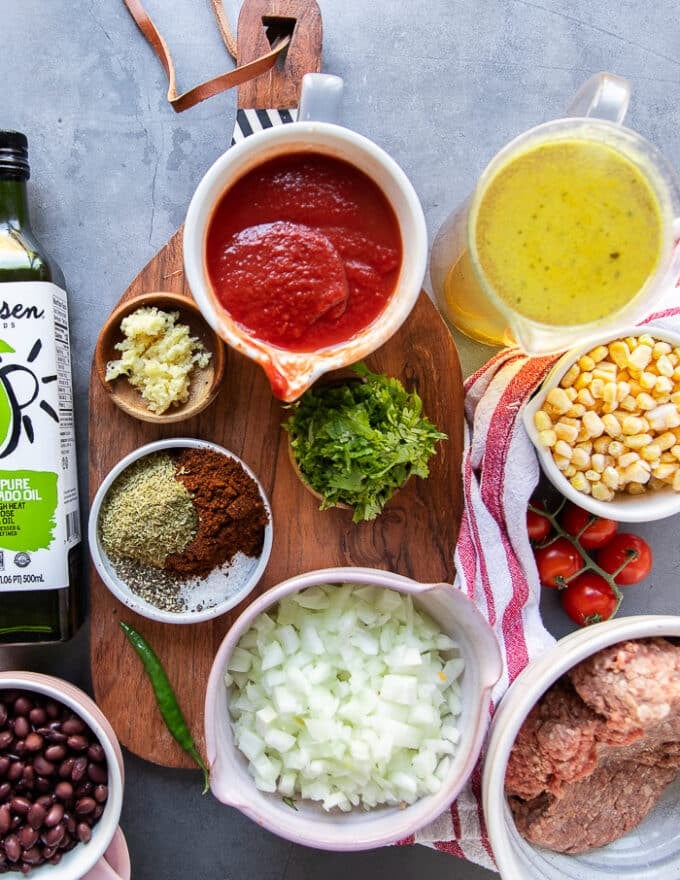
column 309, row 824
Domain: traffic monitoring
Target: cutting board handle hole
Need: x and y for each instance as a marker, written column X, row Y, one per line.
column 277, row 28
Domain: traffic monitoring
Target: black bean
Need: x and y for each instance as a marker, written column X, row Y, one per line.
column 85, row 805
column 37, row 716
column 77, row 742
column 63, row 790
column 55, row 752
column 28, row 776
column 5, row 819
column 73, row 725
column 45, row 800
column 5, row 791
column 20, row 805
column 33, row 742
column 36, row 816
column 70, row 822
column 43, row 785
column 22, row 705
column 53, row 709
column 15, row 771
column 54, row 815
column 28, row 836
column 42, row 766
column 101, row 793
column 97, row 812
column 97, row 773
column 12, row 848
column 53, row 836
column 6, row 739
column 4, row 765
column 85, row 789
column 79, row 769
column 66, row 768
column 96, row 753
column 84, row 832
column 32, row 856
column 22, row 727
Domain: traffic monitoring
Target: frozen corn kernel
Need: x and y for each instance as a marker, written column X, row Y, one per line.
column 616, row 448
column 610, row 393
column 638, row 441
column 566, row 432
column 637, row 472
column 633, row 425
column 664, row 366
column 675, row 452
column 561, row 462
column 636, row 489
column 663, row 386
column 676, row 481
column 597, row 388
column 598, row 462
column 645, row 401
column 619, row 353
column 593, row 424
column 581, row 459
column 547, row 438
column 585, row 397
column 661, row 348
column 576, row 411
column 651, row 452
column 599, row 353
column 563, row 449
column 558, row 400
column 580, row 483
column 647, row 380
column 584, row 380
column 664, row 416
column 601, row 492
column 601, row 444
column 570, row 376
column 627, row 458
column 610, row 477
column 629, row 404
column 664, row 471
column 586, row 363
column 611, row 425
column 640, row 356
column 542, row 420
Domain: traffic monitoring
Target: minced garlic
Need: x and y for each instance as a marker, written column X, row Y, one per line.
column 158, row 355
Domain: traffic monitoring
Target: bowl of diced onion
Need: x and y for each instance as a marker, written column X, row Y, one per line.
column 606, row 425
column 346, row 707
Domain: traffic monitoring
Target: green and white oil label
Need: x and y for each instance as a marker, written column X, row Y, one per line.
column 39, row 517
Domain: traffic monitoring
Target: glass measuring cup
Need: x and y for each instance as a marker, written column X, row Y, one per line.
column 459, row 270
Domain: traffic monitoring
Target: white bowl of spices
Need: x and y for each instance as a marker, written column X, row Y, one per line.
column 180, row 530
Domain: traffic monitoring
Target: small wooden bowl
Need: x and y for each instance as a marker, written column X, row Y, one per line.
column 204, row 382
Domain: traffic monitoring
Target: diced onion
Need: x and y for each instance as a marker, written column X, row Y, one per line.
column 346, row 695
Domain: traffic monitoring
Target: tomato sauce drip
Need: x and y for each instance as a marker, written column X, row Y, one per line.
column 303, row 251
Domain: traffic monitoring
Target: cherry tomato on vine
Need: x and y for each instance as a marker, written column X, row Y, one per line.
column 588, row 599
column 624, row 546
column 596, row 534
column 556, row 562
column 538, row 526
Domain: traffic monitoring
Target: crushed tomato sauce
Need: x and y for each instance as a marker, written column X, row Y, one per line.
column 303, row 251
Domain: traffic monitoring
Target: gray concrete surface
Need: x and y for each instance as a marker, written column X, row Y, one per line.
column 441, row 85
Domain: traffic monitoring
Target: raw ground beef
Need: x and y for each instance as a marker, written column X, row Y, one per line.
column 599, row 747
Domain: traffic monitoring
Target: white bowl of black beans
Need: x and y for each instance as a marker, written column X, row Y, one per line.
column 61, row 781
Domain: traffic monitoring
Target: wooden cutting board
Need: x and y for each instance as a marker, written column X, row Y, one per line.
column 414, row 536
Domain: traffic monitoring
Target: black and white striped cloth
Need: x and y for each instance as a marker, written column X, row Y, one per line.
column 251, row 120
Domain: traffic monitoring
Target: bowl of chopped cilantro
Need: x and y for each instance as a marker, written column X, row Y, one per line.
column 354, row 442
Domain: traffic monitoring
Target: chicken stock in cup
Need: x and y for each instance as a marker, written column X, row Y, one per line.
column 568, row 232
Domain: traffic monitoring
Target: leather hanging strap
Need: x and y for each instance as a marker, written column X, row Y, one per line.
column 221, row 83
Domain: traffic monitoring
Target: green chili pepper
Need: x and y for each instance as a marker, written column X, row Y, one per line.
column 166, row 699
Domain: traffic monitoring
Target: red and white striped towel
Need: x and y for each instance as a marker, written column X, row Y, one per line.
column 494, row 560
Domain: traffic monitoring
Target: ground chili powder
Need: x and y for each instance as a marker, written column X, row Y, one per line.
column 231, row 515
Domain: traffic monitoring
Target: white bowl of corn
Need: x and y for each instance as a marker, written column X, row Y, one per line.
column 606, row 425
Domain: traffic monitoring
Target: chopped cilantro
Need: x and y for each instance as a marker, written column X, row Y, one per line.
column 359, row 441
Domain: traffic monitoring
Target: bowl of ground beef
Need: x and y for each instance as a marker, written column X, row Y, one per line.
column 582, row 775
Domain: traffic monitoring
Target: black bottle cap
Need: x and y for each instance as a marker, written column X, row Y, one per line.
column 13, row 156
